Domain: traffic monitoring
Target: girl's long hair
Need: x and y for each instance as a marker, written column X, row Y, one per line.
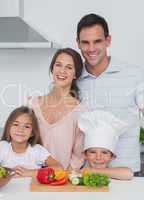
column 35, row 138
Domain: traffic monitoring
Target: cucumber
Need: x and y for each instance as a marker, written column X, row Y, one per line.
column 77, row 181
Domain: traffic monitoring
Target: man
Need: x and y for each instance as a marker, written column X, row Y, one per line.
column 111, row 85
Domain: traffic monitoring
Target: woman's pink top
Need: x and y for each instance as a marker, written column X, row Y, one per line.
column 63, row 139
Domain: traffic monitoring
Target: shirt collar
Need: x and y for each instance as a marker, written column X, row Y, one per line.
column 115, row 66
column 29, row 147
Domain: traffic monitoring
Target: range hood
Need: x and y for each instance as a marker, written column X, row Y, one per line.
column 16, row 33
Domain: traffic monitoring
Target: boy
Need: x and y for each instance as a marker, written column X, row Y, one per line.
column 102, row 131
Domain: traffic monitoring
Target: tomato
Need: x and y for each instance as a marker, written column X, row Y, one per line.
column 46, row 175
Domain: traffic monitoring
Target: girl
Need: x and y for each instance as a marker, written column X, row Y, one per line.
column 20, row 146
column 58, row 111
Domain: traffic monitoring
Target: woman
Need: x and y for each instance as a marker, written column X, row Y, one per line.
column 58, row 111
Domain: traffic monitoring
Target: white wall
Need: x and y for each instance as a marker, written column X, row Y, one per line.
column 58, row 19
column 23, row 72
column 9, row 8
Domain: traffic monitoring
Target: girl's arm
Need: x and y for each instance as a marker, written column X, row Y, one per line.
column 43, row 156
column 120, row 173
column 24, row 172
column 50, row 161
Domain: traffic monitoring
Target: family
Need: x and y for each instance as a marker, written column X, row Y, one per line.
column 89, row 119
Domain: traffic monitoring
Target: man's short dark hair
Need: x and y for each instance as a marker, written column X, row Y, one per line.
column 92, row 20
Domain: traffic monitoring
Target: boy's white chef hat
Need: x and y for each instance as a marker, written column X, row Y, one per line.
column 102, row 129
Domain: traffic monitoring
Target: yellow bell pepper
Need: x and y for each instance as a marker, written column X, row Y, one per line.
column 59, row 174
column 85, row 172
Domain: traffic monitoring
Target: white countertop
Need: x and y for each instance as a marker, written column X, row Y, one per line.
column 18, row 189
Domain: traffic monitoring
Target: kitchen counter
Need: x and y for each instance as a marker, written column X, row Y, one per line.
column 18, row 189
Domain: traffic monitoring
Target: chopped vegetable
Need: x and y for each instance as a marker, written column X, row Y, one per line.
column 96, row 179
column 77, row 181
column 50, row 176
column 3, row 172
column 85, row 172
column 59, row 174
column 74, row 174
column 61, row 181
column 45, row 175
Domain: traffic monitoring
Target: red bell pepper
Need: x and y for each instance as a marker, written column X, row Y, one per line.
column 46, row 175
column 61, row 181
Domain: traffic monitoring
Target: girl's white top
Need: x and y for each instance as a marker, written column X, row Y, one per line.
column 32, row 158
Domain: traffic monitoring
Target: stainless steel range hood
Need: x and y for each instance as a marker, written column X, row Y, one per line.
column 16, row 33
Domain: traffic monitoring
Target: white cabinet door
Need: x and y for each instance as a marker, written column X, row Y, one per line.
column 9, row 8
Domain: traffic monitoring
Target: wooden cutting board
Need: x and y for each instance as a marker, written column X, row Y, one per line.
column 35, row 186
